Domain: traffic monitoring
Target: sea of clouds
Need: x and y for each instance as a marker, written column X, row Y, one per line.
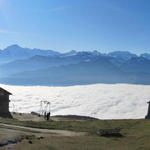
column 104, row 101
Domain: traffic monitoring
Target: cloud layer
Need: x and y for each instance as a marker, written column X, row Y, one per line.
column 104, row 101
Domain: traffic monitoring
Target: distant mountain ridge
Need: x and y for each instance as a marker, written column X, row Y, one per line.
column 15, row 52
column 26, row 66
column 122, row 54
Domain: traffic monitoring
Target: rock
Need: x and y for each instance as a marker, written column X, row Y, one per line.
column 110, row 133
column 30, row 142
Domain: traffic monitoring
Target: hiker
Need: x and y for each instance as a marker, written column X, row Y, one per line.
column 45, row 115
column 48, row 116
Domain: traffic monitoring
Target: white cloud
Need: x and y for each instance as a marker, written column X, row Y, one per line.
column 104, row 101
column 6, row 31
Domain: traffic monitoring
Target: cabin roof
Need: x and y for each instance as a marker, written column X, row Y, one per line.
column 1, row 89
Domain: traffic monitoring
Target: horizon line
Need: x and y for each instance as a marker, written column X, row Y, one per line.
column 130, row 51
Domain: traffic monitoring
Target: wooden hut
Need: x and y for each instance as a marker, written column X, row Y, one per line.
column 4, row 103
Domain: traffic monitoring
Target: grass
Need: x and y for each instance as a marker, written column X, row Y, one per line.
column 8, row 134
column 88, row 143
column 136, row 135
column 85, row 126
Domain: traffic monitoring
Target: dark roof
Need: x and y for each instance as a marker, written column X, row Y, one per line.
column 1, row 89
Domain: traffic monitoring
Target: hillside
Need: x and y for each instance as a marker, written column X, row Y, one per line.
column 74, row 134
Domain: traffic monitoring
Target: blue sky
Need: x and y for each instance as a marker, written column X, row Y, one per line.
column 63, row 25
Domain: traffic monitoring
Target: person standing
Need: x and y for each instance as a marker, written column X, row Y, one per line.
column 48, row 116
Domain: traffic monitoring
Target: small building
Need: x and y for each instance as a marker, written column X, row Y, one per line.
column 4, row 103
column 148, row 112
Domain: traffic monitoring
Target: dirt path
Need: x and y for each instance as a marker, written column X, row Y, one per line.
column 45, row 131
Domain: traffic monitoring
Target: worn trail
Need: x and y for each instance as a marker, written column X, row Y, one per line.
column 46, row 131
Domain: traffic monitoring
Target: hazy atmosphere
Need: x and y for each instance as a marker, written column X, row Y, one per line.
column 74, row 74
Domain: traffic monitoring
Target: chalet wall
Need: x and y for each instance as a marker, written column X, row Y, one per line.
column 4, row 106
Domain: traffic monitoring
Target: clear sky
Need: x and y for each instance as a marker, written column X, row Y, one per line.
column 63, row 25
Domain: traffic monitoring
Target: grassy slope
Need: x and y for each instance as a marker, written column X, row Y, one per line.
column 136, row 135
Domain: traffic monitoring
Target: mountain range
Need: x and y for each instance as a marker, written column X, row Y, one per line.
column 24, row 66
